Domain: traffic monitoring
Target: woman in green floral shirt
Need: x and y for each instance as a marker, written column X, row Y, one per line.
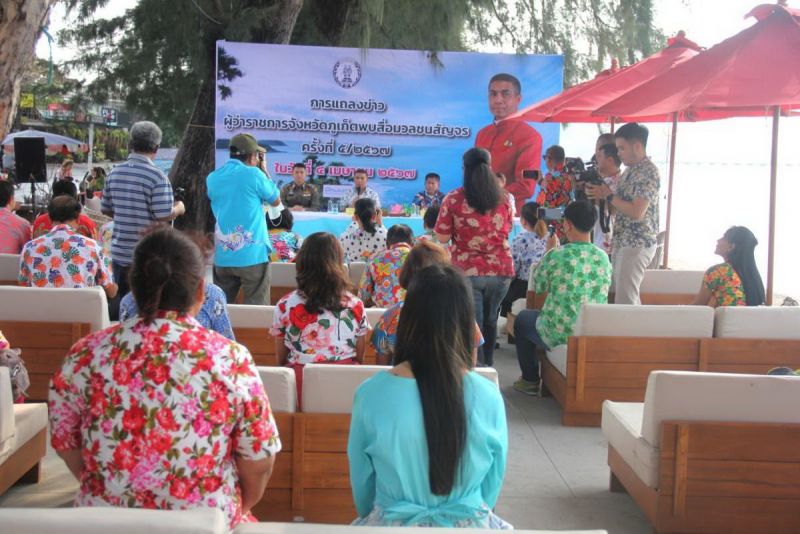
column 736, row 282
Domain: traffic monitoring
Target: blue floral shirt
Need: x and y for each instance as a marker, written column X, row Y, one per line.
column 424, row 200
column 213, row 315
column 527, row 249
column 285, row 245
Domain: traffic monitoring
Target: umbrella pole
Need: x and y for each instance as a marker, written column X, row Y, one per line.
column 612, row 126
column 669, row 188
column 773, row 182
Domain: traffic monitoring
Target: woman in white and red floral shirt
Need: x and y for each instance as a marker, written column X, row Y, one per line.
column 159, row 412
column 321, row 321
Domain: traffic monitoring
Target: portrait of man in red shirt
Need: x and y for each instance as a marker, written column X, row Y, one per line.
column 515, row 146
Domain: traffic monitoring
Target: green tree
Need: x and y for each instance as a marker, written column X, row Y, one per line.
column 160, row 58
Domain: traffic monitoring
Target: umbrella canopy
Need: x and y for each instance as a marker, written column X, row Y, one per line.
column 54, row 142
column 745, row 75
column 577, row 103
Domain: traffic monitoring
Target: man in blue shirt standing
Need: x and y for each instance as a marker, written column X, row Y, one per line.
column 238, row 190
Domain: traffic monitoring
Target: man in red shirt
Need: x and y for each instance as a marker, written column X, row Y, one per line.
column 515, row 146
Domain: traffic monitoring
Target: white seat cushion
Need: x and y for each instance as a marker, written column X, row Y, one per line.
column 356, row 269
column 281, row 387
column 54, row 305
column 757, row 322
column 100, row 519
column 374, row 315
column 282, row 275
column 9, row 266
column 251, row 316
column 518, row 306
column 622, row 427
column 692, row 396
column 558, row 357
column 645, row 321
column 29, row 420
column 6, row 415
column 667, row 281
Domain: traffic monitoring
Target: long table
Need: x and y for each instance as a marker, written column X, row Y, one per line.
column 307, row 222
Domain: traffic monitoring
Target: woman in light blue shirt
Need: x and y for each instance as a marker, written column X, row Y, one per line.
column 428, row 438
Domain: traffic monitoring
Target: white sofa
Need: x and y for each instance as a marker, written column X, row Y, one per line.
column 281, row 387
column 44, row 305
column 282, row 274
column 22, row 436
column 9, row 268
column 250, row 316
column 712, row 401
column 356, row 269
column 628, row 320
column 667, row 281
column 757, row 322
column 330, row 388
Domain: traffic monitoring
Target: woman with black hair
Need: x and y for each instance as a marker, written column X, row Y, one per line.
column 477, row 219
column 367, row 236
column 736, row 282
column 285, row 243
column 159, row 412
column 428, row 438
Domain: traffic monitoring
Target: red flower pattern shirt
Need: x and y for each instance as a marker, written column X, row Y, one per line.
column 319, row 337
column 159, row 412
column 479, row 243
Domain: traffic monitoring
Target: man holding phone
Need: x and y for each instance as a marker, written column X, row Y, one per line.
column 237, row 191
column 514, row 145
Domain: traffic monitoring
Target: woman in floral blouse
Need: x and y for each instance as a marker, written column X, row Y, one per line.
column 320, row 321
column 285, row 243
column 157, row 411
column 367, row 235
column 477, row 218
column 736, row 282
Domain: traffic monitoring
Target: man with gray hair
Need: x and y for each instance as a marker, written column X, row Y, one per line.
column 137, row 194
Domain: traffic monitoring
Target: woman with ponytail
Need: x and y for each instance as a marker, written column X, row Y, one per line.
column 428, row 438
column 159, row 412
column 477, row 219
column 367, row 234
column 736, row 282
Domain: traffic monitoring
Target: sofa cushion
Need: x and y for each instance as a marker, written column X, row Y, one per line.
column 55, row 305
column 374, row 315
column 6, row 415
column 281, row 387
column 645, row 321
column 29, row 420
column 356, row 269
column 309, row 528
column 251, row 316
column 668, row 281
column 101, row 519
column 9, row 267
column 282, row 275
column 558, row 357
column 330, row 388
column 622, row 427
column 692, row 396
column 757, row 322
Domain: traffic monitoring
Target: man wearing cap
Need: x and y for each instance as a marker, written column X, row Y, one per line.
column 238, row 190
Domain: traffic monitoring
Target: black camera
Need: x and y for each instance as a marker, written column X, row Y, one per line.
column 179, row 194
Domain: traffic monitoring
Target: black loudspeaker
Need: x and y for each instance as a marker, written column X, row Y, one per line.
column 29, row 156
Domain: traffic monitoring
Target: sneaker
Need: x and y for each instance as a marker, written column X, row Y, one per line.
column 528, row 388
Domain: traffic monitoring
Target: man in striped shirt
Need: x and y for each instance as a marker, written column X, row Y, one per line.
column 137, row 194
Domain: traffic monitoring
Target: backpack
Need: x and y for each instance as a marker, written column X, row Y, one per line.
column 16, row 369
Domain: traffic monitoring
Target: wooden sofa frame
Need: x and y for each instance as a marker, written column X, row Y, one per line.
column 24, row 466
column 717, row 477
column 616, row 368
column 44, row 346
column 262, row 346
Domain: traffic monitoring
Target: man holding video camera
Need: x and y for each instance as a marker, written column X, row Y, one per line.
column 636, row 206
column 607, row 165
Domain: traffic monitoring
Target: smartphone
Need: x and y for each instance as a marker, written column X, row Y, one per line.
column 530, row 174
column 551, row 229
column 550, row 214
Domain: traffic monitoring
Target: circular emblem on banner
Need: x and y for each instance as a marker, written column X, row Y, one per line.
column 347, row 72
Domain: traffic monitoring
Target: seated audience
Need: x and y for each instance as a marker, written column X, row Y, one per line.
column 526, row 250
column 429, row 223
column 159, row 412
column 320, row 321
column 360, row 190
column 285, row 243
column 14, row 230
column 384, row 336
column 379, row 284
column 736, row 281
column 575, row 273
column 431, row 196
column 299, row 195
column 85, row 226
column 213, row 314
column 94, row 180
column 367, row 236
column 428, row 438
column 62, row 257
column 104, row 237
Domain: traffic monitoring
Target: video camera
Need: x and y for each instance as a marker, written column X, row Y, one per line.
column 588, row 174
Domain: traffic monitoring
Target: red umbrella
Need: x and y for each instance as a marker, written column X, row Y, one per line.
column 754, row 73
column 577, row 103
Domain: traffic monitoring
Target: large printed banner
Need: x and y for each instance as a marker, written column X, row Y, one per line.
column 398, row 114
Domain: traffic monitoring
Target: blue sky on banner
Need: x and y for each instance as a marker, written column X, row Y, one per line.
column 279, row 82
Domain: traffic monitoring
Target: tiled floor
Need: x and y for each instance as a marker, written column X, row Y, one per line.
column 557, row 477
